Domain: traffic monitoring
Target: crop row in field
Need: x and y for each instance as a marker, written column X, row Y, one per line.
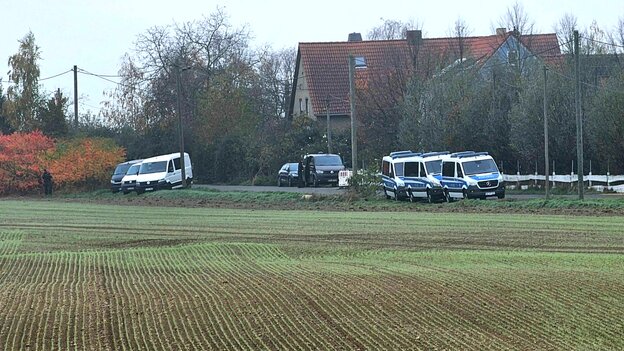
column 134, row 278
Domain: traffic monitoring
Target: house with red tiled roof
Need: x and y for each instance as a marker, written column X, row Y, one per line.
column 321, row 80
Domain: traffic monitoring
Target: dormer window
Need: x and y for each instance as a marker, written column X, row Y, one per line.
column 360, row 62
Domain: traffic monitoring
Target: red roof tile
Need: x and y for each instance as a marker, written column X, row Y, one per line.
column 326, row 65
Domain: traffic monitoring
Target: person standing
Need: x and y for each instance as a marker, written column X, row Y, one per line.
column 300, row 180
column 47, row 182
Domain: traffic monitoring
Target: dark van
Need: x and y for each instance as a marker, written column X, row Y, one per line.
column 321, row 169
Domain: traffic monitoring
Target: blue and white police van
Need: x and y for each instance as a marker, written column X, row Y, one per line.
column 470, row 174
column 410, row 175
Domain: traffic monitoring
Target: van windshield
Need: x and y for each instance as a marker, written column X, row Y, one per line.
column 153, row 167
column 121, row 168
column 134, row 170
column 480, row 167
column 329, row 160
column 434, row 167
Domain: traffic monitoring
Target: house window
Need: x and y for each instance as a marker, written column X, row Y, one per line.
column 307, row 111
column 300, row 105
column 512, row 57
column 360, row 62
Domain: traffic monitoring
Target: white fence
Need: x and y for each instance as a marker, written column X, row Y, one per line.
column 598, row 182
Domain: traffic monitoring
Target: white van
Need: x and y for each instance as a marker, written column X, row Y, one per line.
column 128, row 182
column 163, row 172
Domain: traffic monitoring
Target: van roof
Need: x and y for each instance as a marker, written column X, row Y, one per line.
column 465, row 154
column 131, row 162
column 164, row 157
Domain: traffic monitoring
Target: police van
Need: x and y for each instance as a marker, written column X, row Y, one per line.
column 470, row 174
column 406, row 174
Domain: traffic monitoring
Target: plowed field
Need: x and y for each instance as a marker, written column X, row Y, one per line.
column 111, row 277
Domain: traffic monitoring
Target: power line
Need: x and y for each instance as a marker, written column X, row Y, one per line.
column 605, row 43
column 40, row 79
column 56, row 75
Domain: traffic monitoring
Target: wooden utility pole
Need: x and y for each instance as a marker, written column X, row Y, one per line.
column 328, row 126
column 353, row 116
column 180, row 127
column 579, row 118
column 76, row 97
column 546, row 162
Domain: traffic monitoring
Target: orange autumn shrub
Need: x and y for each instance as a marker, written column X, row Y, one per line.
column 84, row 163
column 74, row 164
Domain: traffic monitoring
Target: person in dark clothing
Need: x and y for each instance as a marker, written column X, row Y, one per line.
column 306, row 171
column 47, row 182
column 300, row 180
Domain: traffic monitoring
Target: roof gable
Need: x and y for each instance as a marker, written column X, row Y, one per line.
column 326, row 64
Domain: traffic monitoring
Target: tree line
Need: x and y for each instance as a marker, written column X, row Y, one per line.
column 233, row 102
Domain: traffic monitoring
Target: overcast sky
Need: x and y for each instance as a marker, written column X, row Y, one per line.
column 95, row 34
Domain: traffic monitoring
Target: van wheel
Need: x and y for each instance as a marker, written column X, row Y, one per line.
column 139, row 192
column 315, row 182
column 464, row 194
column 279, row 182
column 411, row 196
column 396, row 195
column 386, row 193
column 429, row 198
column 501, row 195
column 447, row 196
column 290, row 182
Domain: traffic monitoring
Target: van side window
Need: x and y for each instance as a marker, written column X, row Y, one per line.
column 391, row 173
column 448, row 169
column 170, row 169
column 398, row 169
column 460, row 174
column 385, row 168
column 176, row 163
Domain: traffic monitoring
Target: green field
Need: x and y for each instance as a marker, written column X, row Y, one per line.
column 112, row 277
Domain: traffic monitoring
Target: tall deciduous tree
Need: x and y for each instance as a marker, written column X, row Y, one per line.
column 5, row 127
column 52, row 119
column 605, row 126
column 23, row 97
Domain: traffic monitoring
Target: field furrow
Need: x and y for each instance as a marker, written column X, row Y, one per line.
column 98, row 277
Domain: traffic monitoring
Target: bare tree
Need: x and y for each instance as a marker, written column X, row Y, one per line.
column 517, row 19
column 565, row 32
column 392, row 29
column 594, row 40
column 459, row 33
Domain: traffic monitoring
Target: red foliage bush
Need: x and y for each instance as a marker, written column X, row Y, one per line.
column 22, row 159
column 76, row 163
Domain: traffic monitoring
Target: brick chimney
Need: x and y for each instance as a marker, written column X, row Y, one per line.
column 355, row 37
column 501, row 31
column 414, row 37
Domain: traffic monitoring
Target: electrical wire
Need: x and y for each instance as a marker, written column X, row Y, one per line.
column 41, row 79
column 56, row 75
column 604, row 43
